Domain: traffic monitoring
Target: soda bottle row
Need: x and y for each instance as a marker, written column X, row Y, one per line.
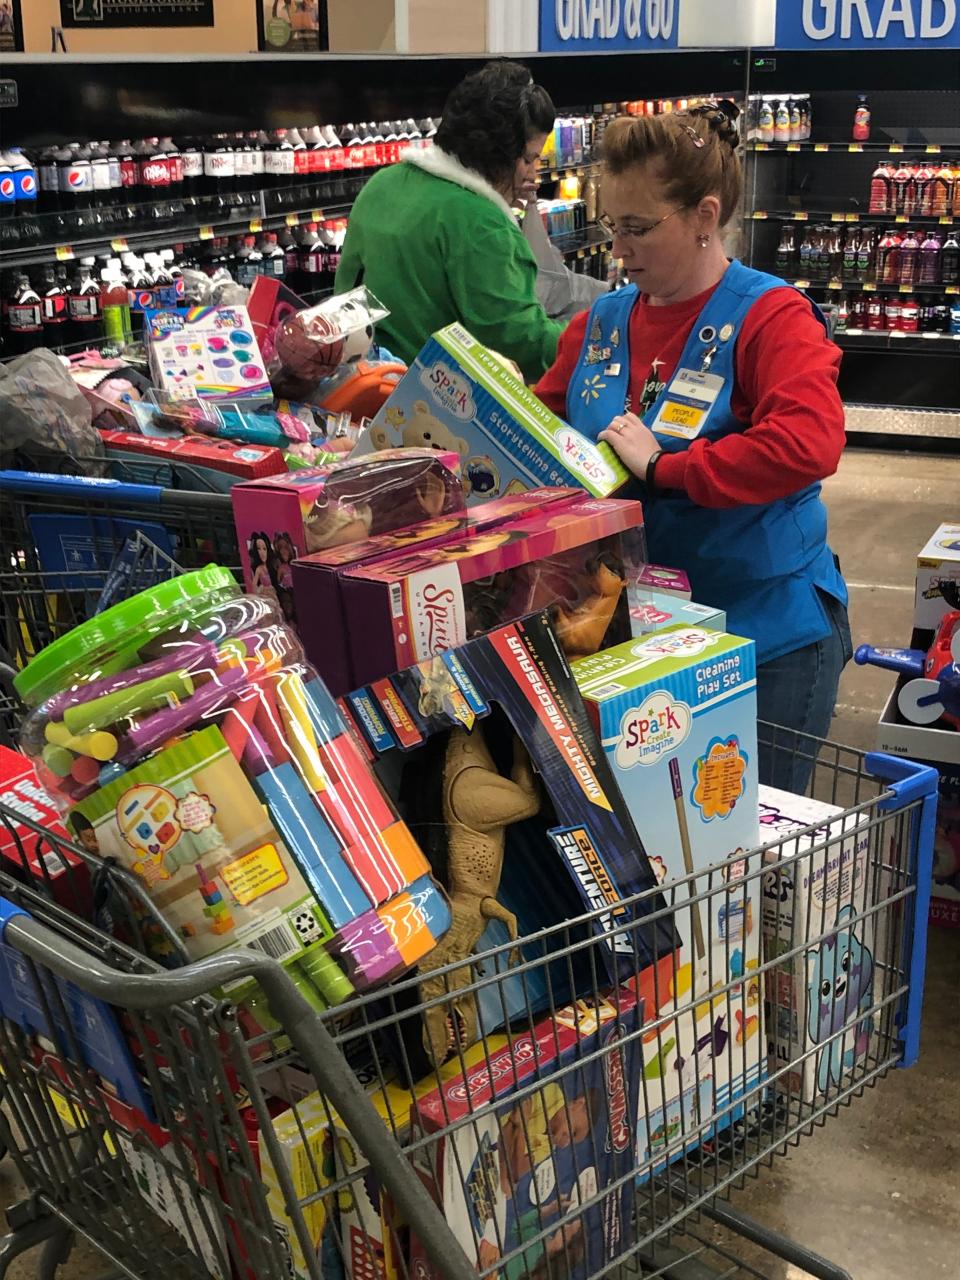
column 926, row 189
column 897, row 256
column 872, row 312
column 85, row 186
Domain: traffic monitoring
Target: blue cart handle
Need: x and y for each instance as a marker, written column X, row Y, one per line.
column 41, row 482
column 913, row 783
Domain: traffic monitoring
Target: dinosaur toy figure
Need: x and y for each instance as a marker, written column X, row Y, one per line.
column 581, row 630
column 478, row 804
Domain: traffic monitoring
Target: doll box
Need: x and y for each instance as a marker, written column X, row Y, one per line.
column 210, row 352
column 677, row 717
column 502, row 1178
column 938, row 562
column 285, row 516
column 652, row 611
column 810, row 891
column 411, row 608
column 458, row 396
column 317, row 577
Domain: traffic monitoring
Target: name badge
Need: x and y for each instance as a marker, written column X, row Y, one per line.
column 687, row 404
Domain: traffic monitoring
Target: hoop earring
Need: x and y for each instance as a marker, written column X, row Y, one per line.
column 703, row 240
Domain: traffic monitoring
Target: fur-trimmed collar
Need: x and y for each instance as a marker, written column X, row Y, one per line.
column 443, row 165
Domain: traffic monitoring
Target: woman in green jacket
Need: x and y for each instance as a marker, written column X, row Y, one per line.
column 434, row 238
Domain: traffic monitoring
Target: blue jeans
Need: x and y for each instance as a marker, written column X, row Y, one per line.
column 797, row 692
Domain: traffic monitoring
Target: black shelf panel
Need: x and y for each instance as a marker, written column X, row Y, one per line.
column 590, row 240
column 942, row 344
column 869, row 286
column 841, row 217
column 854, row 148
column 250, row 211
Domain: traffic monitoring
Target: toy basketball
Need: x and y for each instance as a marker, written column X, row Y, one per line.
column 309, row 345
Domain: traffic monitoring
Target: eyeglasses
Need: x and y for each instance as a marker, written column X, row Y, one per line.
column 633, row 233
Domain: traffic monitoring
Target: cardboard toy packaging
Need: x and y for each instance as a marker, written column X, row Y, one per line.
column 938, row 562
column 521, row 1165
column 652, row 611
column 457, row 396
column 676, row 714
column 575, row 560
column 62, row 873
column 810, row 996
column 282, row 517
column 655, row 578
column 193, row 462
column 210, row 352
column 317, row 578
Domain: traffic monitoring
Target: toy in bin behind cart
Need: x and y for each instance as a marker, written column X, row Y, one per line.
column 81, row 1021
column 522, row 1164
column 73, row 545
column 522, row 668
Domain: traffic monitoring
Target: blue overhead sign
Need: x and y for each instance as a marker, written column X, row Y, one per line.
column 597, row 26
column 867, row 24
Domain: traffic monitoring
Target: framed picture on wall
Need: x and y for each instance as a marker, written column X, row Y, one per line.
column 136, row 13
column 292, row 26
column 11, row 27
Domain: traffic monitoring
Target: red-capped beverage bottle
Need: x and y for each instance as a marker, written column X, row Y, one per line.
column 881, row 188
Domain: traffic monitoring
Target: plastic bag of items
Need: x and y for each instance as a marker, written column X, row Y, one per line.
column 47, row 421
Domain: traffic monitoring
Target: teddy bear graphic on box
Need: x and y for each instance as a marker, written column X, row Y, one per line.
column 418, row 428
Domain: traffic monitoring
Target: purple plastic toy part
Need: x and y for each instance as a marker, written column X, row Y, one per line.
column 150, row 733
column 204, row 653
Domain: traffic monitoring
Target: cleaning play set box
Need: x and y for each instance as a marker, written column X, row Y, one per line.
column 528, row 1157
column 676, row 713
column 810, row 891
column 457, row 396
column 282, row 517
column 938, row 562
column 209, row 352
column 317, row 578
column 575, row 560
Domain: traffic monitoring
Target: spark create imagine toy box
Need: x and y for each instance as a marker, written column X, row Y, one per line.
column 458, row 396
column 677, row 716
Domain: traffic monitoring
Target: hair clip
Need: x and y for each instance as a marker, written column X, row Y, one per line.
column 697, row 140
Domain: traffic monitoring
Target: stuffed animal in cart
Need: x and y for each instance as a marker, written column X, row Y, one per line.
column 840, row 987
column 934, row 693
column 478, row 804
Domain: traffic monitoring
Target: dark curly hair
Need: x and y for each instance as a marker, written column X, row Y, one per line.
column 490, row 117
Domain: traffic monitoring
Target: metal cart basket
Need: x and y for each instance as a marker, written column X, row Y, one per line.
column 145, row 1114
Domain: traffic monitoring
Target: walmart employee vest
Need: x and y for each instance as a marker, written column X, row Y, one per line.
column 762, row 563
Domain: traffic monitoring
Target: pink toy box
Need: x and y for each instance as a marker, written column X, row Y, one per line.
column 575, row 561
column 317, row 577
column 279, row 518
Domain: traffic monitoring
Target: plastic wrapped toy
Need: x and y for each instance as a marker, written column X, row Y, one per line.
column 310, row 344
column 934, row 691
column 184, row 734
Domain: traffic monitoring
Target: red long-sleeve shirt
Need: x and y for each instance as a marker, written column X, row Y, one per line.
column 785, row 388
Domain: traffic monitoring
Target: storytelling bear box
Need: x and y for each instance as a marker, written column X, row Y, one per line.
column 457, row 397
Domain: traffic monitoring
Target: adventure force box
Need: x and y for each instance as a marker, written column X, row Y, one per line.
column 576, row 560
column 816, row 885
column 677, row 717
column 457, row 396
column 551, row 1126
column 317, row 578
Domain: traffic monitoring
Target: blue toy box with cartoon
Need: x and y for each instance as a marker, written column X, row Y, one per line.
column 818, row 1001
column 677, row 715
column 458, row 397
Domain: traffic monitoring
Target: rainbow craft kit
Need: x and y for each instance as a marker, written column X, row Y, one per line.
column 677, row 717
column 457, row 396
column 205, row 352
column 818, row 1002
column 183, row 733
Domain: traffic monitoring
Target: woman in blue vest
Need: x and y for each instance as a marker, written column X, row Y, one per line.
column 716, row 385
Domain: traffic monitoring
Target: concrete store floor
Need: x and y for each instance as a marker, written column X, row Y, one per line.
column 877, row 1191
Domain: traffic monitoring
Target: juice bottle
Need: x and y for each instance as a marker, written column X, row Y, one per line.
column 766, row 125
column 858, row 311
column 888, row 258
column 865, row 254
column 909, row 315
column 924, row 178
column 851, row 250
column 833, row 254
column 892, row 313
column 930, row 251
column 807, row 254
column 861, row 119
column 881, row 188
column 796, row 122
column 903, row 183
column 787, row 251
column 955, row 197
column 950, row 259
column 938, row 192
column 909, row 265
column 843, row 314
column 781, row 122
column 875, row 312
column 115, row 304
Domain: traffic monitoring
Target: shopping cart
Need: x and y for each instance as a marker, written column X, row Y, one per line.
column 308, row 1146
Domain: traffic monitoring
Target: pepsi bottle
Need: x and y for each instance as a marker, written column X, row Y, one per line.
column 9, row 230
column 25, row 194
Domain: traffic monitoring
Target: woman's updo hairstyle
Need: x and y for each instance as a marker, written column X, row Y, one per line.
column 490, row 117
column 695, row 153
